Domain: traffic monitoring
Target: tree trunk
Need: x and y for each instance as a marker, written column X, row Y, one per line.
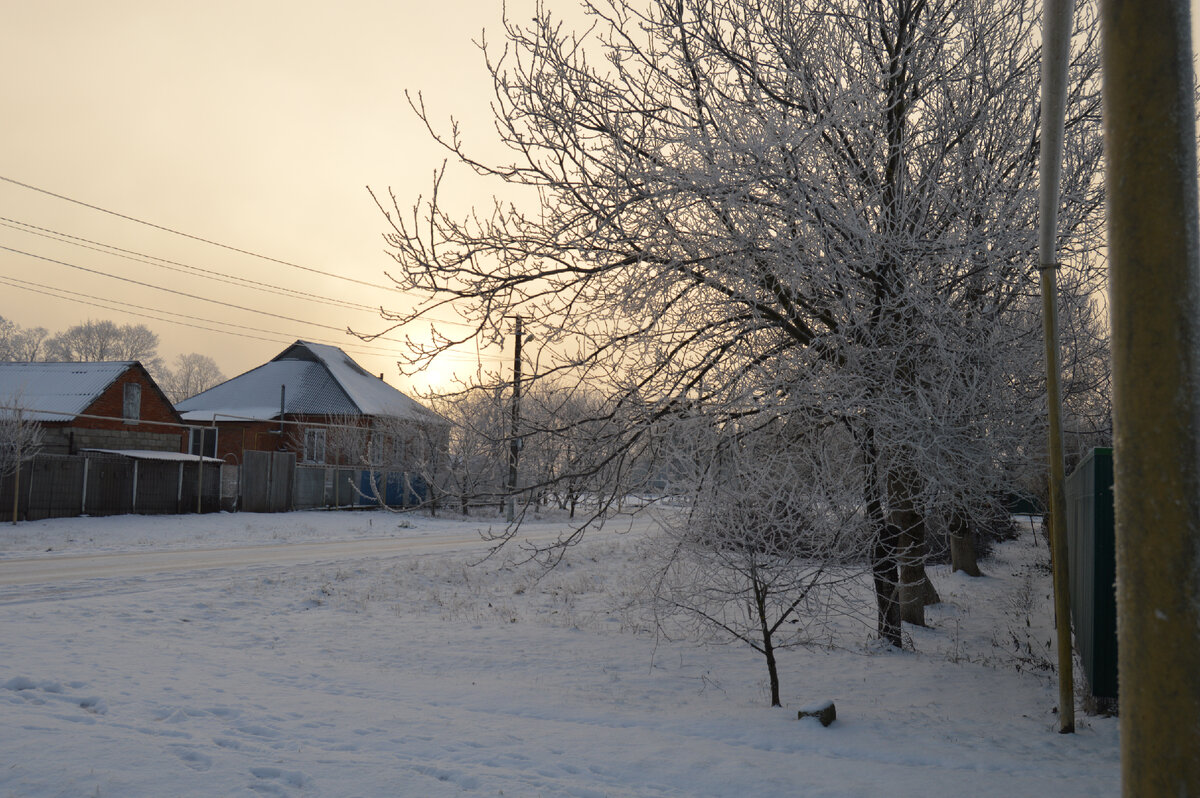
column 914, row 590
column 768, row 648
column 887, row 580
column 884, row 567
column 962, row 547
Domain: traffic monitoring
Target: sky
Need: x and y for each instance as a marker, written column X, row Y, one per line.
column 256, row 126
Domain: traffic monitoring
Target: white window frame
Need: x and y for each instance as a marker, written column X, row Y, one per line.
column 201, row 432
column 131, row 408
column 314, row 446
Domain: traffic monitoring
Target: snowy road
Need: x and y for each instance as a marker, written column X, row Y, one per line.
column 55, row 575
column 64, row 568
column 69, row 568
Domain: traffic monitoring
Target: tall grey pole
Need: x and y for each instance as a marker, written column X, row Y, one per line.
column 1056, row 52
column 1153, row 235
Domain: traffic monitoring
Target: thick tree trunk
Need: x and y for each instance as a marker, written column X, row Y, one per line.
column 915, row 590
column 887, row 580
column 884, row 567
column 962, row 547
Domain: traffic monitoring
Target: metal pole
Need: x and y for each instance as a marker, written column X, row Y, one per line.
column 1153, row 235
column 1056, row 51
column 514, row 447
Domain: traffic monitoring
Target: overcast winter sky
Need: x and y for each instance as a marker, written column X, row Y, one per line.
column 256, row 124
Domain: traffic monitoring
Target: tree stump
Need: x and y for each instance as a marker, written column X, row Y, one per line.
column 825, row 711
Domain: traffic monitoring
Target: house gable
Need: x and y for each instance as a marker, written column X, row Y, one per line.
column 83, row 405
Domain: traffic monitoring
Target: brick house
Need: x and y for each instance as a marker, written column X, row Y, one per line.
column 112, row 405
column 315, row 401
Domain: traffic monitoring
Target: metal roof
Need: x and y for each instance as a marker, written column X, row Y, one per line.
column 56, row 391
column 316, row 380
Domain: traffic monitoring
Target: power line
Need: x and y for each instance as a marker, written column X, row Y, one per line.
column 176, row 292
column 105, row 303
column 211, row 274
column 163, row 263
column 45, row 290
column 194, row 237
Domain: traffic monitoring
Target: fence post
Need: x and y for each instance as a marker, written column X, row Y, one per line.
column 16, row 490
column 29, row 490
column 87, row 461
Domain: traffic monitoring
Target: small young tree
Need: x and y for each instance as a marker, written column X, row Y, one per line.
column 771, row 545
column 20, row 439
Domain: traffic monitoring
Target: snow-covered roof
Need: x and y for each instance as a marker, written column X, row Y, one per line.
column 56, row 391
column 153, row 454
column 316, row 380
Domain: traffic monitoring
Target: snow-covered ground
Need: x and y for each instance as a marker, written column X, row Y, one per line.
column 420, row 673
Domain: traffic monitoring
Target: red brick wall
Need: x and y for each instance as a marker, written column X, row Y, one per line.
column 154, row 408
column 234, row 437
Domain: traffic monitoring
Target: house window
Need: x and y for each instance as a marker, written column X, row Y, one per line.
column 202, row 441
column 133, row 403
column 314, row 446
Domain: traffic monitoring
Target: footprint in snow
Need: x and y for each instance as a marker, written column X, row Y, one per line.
column 267, row 776
column 191, row 757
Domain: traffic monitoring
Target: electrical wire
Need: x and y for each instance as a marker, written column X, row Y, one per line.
column 360, row 348
column 178, row 293
column 194, row 237
column 176, row 266
column 109, row 249
column 210, row 274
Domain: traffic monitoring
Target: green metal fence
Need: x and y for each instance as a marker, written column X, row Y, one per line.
column 1091, row 543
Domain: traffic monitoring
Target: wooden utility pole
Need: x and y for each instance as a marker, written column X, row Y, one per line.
column 514, row 447
column 1153, row 235
column 1056, row 51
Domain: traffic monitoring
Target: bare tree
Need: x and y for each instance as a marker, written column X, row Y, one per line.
column 20, row 439
column 823, row 209
column 28, row 346
column 20, row 344
column 97, row 341
column 8, row 330
column 388, row 447
column 476, row 447
column 192, row 374
column 771, row 544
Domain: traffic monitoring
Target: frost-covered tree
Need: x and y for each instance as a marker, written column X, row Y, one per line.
column 477, row 454
column 771, row 546
column 97, row 341
column 20, row 439
column 192, row 374
column 824, row 209
column 20, row 344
